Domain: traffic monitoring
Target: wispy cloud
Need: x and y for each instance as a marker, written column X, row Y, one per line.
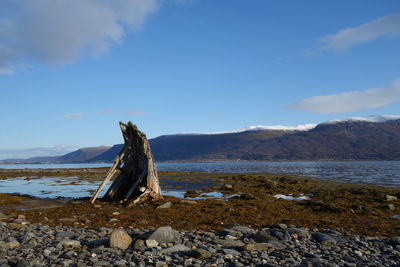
column 59, row 32
column 134, row 112
column 108, row 111
column 350, row 101
column 73, row 115
column 35, row 152
column 6, row 71
column 344, row 39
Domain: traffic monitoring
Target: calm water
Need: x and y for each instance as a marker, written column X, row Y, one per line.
column 50, row 187
column 385, row 173
column 54, row 166
column 376, row 172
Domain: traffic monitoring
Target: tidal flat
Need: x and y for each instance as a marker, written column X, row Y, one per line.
column 214, row 201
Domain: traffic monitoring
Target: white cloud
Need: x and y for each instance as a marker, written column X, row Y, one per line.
column 350, row 101
column 108, row 111
column 73, row 115
column 35, row 152
column 58, row 32
column 346, row 38
column 134, row 112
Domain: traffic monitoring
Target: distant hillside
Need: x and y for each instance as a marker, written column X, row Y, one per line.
column 228, row 146
column 83, row 154
column 376, row 138
column 108, row 155
column 78, row 156
column 337, row 140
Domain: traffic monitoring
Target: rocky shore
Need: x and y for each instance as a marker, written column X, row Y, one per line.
column 25, row 244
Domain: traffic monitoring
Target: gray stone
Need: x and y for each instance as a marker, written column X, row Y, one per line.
column 228, row 243
column 242, row 229
column 174, row 249
column 281, row 226
column 120, row 239
column 300, row 232
column 70, row 243
column 164, row 234
column 257, row 246
column 324, row 239
column 201, row 254
column 281, row 234
column 391, row 207
column 276, row 244
column 166, row 205
column 262, row 237
column 65, row 234
column 225, row 232
column 232, row 252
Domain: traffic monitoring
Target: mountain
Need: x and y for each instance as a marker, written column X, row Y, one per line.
column 369, row 138
column 78, row 156
column 335, row 140
column 108, row 155
column 83, row 154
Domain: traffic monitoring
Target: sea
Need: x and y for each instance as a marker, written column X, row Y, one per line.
column 385, row 173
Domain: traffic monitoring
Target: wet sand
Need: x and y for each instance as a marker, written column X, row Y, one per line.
column 356, row 208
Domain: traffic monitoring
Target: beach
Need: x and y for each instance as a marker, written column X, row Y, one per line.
column 209, row 203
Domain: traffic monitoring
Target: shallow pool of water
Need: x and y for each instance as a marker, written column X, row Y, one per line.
column 49, row 187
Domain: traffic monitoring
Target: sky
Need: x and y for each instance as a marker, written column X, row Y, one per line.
column 70, row 70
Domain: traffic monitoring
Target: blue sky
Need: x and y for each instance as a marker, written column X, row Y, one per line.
column 70, row 70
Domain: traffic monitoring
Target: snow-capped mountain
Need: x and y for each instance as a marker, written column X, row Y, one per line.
column 372, row 118
column 358, row 138
column 301, row 127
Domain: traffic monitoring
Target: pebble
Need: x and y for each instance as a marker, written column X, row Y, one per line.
column 70, row 243
column 78, row 246
column 165, row 234
column 176, row 248
column 120, row 239
column 257, row 246
column 10, row 245
column 324, row 239
column 151, row 243
column 391, row 198
column 201, row 254
column 166, row 205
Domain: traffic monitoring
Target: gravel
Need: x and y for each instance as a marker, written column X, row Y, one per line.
column 41, row 245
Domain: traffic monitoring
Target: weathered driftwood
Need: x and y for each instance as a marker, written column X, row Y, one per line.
column 138, row 177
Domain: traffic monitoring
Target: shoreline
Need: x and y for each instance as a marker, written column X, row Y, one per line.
column 248, row 199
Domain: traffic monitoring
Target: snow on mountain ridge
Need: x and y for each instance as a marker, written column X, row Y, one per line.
column 301, row 127
column 372, row 118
